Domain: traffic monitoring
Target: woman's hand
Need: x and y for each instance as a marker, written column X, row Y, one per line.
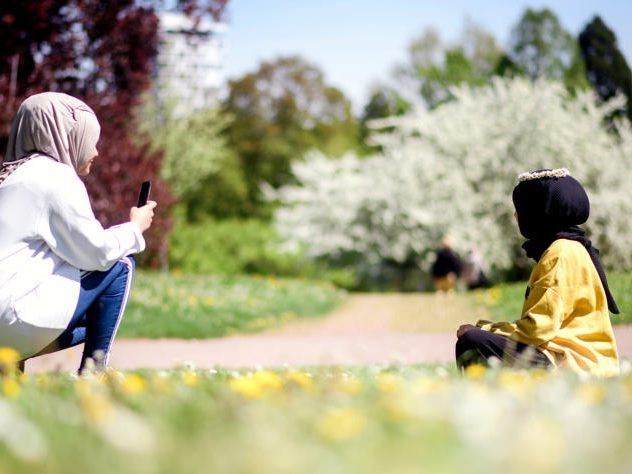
column 142, row 216
column 463, row 329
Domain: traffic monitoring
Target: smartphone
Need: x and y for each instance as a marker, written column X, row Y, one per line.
column 143, row 196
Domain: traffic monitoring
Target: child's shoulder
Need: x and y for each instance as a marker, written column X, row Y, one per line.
column 565, row 250
column 563, row 260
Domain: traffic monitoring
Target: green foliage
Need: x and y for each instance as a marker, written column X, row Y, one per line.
column 384, row 102
column 606, row 67
column 227, row 247
column 542, row 48
column 621, row 287
column 433, row 67
column 244, row 246
column 280, row 111
column 194, row 306
column 202, row 171
column 505, row 301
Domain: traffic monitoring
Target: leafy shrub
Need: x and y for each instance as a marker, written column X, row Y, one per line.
column 238, row 246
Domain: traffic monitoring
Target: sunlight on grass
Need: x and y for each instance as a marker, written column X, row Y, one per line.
column 194, row 306
column 365, row 420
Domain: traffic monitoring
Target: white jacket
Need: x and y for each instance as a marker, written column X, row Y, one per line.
column 48, row 235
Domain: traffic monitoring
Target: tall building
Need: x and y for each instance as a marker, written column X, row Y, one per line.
column 189, row 65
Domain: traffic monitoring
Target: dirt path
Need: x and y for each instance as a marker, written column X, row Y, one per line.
column 388, row 313
column 366, row 329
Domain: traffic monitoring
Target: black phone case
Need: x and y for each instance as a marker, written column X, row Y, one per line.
column 143, row 196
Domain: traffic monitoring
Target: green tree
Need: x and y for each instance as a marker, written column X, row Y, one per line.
column 383, row 102
column 541, row 47
column 606, row 67
column 434, row 67
column 202, row 171
column 280, row 111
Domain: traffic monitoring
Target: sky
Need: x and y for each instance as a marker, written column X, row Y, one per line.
column 357, row 43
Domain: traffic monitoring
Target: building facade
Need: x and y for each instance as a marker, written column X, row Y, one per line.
column 189, row 65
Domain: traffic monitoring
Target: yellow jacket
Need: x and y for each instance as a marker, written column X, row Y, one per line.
column 565, row 313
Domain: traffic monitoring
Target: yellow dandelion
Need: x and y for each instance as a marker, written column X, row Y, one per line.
column 10, row 388
column 83, row 387
column 341, row 424
column 133, row 384
column 518, row 383
column 300, row 379
column 9, row 358
column 388, row 383
column 246, row 387
column 96, row 407
column 475, row 371
column 192, row 300
column 424, row 385
column 540, row 375
column 111, row 377
column 268, row 380
column 189, row 377
column 591, row 393
column 209, row 301
column 493, row 295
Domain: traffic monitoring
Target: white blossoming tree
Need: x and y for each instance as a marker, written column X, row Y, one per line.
column 452, row 170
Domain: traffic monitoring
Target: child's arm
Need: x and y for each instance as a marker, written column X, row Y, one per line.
column 541, row 318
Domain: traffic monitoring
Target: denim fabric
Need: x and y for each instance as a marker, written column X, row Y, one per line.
column 102, row 300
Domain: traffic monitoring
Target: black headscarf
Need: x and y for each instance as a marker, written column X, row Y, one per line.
column 551, row 205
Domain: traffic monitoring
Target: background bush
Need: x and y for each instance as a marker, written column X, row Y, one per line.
column 244, row 246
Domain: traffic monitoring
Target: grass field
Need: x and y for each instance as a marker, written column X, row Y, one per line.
column 505, row 301
column 191, row 306
column 328, row 420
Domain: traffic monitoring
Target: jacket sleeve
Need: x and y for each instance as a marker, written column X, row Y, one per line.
column 540, row 322
column 69, row 227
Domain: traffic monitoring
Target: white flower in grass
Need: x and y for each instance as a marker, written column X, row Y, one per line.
column 21, row 437
column 127, row 431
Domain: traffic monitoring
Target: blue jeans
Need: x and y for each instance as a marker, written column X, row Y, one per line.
column 102, row 300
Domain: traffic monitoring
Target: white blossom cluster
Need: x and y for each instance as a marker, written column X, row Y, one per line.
column 451, row 170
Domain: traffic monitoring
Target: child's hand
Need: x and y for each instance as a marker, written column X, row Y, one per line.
column 463, row 329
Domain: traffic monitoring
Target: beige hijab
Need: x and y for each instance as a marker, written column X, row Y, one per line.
column 56, row 125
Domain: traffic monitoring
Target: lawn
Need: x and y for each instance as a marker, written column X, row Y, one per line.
column 505, row 301
column 327, row 420
column 193, row 306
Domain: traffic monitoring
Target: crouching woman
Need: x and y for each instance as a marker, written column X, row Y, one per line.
column 64, row 279
column 565, row 320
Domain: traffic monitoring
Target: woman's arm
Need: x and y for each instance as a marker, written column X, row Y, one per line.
column 70, row 229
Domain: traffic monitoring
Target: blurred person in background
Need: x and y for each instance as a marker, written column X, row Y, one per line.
column 473, row 273
column 565, row 320
column 64, row 279
column 446, row 268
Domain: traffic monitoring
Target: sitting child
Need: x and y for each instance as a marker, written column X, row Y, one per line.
column 565, row 320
